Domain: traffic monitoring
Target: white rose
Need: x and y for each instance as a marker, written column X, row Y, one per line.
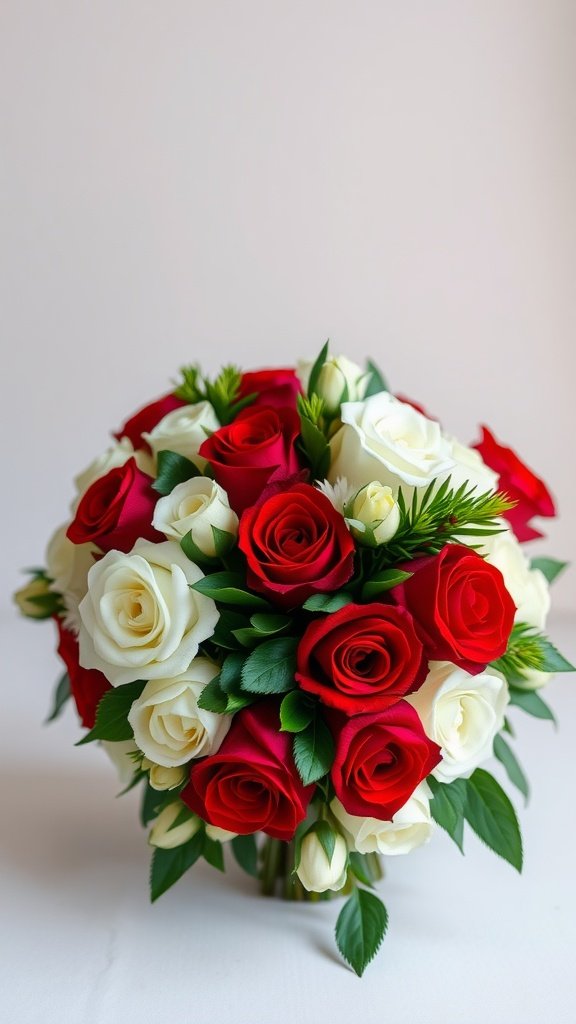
column 183, row 430
column 162, row 778
column 67, row 565
column 120, row 753
column 140, row 618
column 410, row 827
column 387, row 440
column 469, row 467
column 527, row 587
column 195, row 506
column 117, row 455
column 339, row 378
column 221, row 835
column 314, row 870
column 166, row 835
column 376, row 508
column 462, row 714
column 532, row 679
column 168, row 725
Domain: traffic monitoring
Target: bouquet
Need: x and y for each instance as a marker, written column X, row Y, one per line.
column 299, row 616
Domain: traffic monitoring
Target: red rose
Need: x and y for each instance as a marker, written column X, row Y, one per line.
column 520, row 483
column 251, row 784
column 361, row 658
column 273, row 387
column 258, row 448
column 380, row 759
column 296, row 544
column 144, row 421
column 461, row 608
column 87, row 685
column 116, row 510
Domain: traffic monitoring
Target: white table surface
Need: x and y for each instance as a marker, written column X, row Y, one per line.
column 470, row 941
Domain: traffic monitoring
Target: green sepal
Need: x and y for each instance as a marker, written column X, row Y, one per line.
column 245, row 851
column 173, row 469
column 296, row 712
column 193, row 552
column 112, row 714
column 326, row 837
column 447, row 807
column 327, row 602
column 489, row 812
column 62, row 694
column 551, row 567
column 360, row 928
column 504, row 753
column 270, row 667
column 169, row 865
column 313, row 751
column 223, row 541
column 383, row 581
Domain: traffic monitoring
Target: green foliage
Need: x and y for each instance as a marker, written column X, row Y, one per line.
column 153, row 802
column 173, row 469
column 313, row 751
column 312, row 435
column 296, row 712
column 327, row 602
column 326, row 837
column 262, row 626
column 489, row 812
column 222, row 393
column 531, row 703
column 377, row 382
column 504, row 753
column 220, row 701
column 228, row 624
column 169, row 865
column 360, row 928
column 245, row 851
column 447, row 807
column 228, row 588
column 112, row 714
column 383, row 581
column 270, row 668
column 317, row 369
column 551, row 567
column 529, row 649
column 213, row 853
column 62, row 694
column 360, row 867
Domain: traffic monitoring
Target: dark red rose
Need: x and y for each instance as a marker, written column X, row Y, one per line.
column 460, row 606
column 361, row 658
column 251, row 784
column 258, row 448
column 296, row 544
column 87, row 685
column 520, row 483
column 116, row 510
column 380, row 759
column 144, row 421
column 272, row 387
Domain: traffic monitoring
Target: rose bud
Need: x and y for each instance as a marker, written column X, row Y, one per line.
column 162, row 778
column 339, row 380
column 374, row 516
column 166, row 835
column 194, row 507
column 220, row 835
column 26, row 597
column 315, row 871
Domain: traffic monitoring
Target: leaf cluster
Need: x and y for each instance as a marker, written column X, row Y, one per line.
column 223, row 393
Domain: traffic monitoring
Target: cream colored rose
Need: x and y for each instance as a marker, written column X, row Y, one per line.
column 195, row 506
column 387, row 440
column 183, row 430
column 527, row 587
column 168, row 725
column 221, row 835
column 117, row 455
column 67, row 565
column 462, row 714
column 339, row 380
column 410, row 827
column 469, row 467
column 162, row 778
column 167, row 835
column 316, row 873
column 140, row 619
column 374, row 516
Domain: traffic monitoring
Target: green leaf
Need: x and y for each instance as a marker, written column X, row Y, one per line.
column 327, row 602
column 531, row 703
column 213, row 698
column 326, row 837
column 508, row 727
column 296, row 712
column 316, row 448
column 489, row 812
column 213, row 853
column 313, row 751
column 551, row 567
column 154, row 801
column 447, row 807
column 48, row 605
column 193, row 552
column 173, row 469
column 246, row 853
column 508, row 758
column 62, row 693
column 169, row 865
column 316, row 369
column 377, row 383
column 228, row 588
column 384, row 581
column 223, row 541
column 228, row 622
column 360, row 928
column 262, row 625
column 112, row 714
column 231, row 671
column 552, row 660
column 360, row 868
column 271, row 667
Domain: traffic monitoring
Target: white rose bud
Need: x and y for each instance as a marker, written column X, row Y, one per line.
column 34, row 588
column 375, row 515
column 183, row 430
column 168, row 725
column 195, row 506
column 315, row 872
column 140, row 617
column 387, row 440
column 167, row 836
column 162, row 778
column 532, row 679
column 462, row 714
column 527, row 587
column 341, row 380
column 411, row 826
column 221, row 835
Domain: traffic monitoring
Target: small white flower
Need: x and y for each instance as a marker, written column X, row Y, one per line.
column 374, row 516
column 194, row 507
column 316, row 873
column 339, row 493
column 166, row 835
